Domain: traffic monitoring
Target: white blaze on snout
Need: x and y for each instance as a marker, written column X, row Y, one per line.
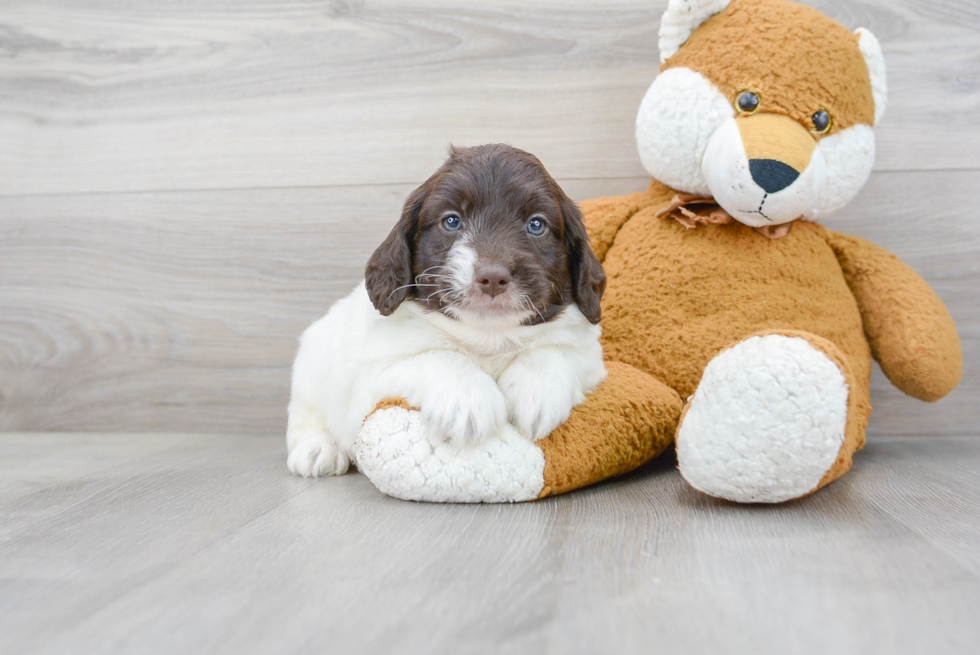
column 461, row 266
column 465, row 300
column 725, row 167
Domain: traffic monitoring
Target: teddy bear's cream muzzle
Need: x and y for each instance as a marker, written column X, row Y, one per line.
column 764, row 169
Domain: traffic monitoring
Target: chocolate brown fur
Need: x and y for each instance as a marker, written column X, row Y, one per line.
column 495, row 190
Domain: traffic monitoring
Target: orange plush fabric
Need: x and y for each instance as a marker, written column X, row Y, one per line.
column 685, row 286
column 910, row 330
column 676, row 297
column 626, row 422
column 790, row 86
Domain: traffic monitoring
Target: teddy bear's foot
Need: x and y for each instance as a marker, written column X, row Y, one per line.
column 768, row 420
column 630, row 418
column 398, row 455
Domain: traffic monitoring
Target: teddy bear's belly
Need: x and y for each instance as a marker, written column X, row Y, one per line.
column 677, row 296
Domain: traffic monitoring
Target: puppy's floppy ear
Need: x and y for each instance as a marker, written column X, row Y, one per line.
column 389, row 271
column 588, row 278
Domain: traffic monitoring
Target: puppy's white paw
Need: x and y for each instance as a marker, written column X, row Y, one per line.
column 465, row 408
column 537, row 406
column 316, row 454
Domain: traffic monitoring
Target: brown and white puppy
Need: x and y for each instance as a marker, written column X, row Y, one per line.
column 481, row 306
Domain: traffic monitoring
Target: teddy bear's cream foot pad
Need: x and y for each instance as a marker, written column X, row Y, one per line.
column 766, row 422
column 395, row 453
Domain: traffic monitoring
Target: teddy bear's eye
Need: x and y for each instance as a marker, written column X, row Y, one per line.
column 747, row 102
column 822, row 122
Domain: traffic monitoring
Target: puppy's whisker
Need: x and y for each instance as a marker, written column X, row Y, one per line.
column 426, row 274
column 561, row 294
column 529, row 302
column 437, row 266
column 446, row 290
column 442, row 295
column 405, row 286
column 452, row 309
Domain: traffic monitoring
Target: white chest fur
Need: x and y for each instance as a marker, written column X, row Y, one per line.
column 469, row 377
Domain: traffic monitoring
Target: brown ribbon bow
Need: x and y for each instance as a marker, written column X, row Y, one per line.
column 691, row 210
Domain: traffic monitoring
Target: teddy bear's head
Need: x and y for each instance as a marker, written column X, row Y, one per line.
column 766, row 105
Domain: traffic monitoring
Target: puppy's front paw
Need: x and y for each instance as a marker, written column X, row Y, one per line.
column 316, row 454
column 465, row 409
column 536, row 406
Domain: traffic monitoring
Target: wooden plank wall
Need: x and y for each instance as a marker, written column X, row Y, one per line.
column 184, row 186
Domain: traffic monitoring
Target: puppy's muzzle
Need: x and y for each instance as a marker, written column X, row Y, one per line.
column 493, row 279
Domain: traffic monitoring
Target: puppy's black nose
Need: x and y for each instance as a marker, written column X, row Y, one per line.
column 493, row 278
column 772, row 175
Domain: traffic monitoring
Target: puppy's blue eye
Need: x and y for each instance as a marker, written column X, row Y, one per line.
column 535, row 227
column 452, row 222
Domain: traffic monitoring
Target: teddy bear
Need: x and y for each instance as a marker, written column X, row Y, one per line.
column 734, row 324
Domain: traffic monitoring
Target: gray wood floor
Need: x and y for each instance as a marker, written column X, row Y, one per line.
column 204, row 544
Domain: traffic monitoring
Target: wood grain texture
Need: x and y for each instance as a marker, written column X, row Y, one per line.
column 172, row 311
column 100, row 95
column 164, row 311
column 185, row 186
column 204, row 543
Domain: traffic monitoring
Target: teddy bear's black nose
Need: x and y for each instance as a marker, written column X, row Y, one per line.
column 772, row 175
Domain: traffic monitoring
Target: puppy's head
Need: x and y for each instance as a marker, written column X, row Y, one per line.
column 490, row 237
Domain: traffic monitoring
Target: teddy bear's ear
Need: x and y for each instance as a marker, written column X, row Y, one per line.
column 681, row 19
column 871, row 50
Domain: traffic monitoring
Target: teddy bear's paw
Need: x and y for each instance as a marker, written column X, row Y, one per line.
column 316, row 454
column 403, row 459
column 766, row 423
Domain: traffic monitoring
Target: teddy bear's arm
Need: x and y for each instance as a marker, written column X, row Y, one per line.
column 604, row 216
column 911, row 333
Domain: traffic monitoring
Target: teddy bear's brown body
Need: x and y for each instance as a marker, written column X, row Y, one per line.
column 678, row 296
column 687, row 293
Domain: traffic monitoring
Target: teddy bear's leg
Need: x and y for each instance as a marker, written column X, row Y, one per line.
column 402, row 459
column 629, row 419
column 775, row 417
